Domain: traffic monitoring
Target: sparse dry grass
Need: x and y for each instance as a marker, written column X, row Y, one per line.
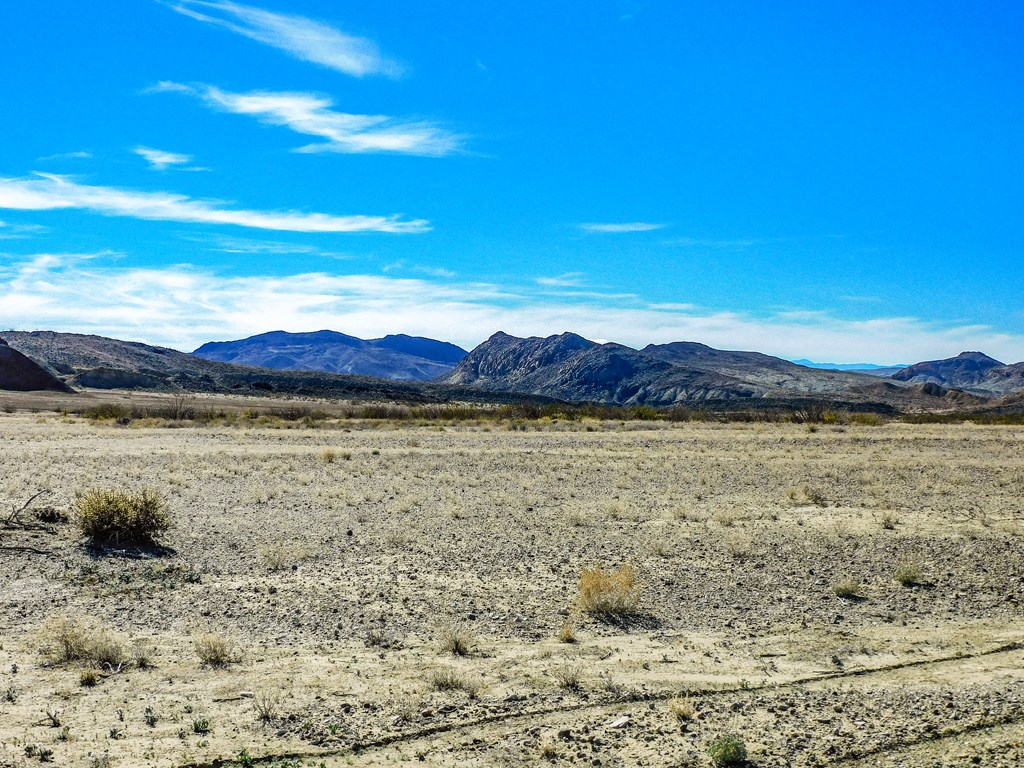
column 449, row 679
column 279, row 555
column 456, row 638
column 216, row 649
column 68, row 640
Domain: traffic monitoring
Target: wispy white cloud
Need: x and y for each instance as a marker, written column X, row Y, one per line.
column 81, row 155
column 50, row 192
column 403, row 266
column 183, row 307
column 19, row 231
column 566, row 280
column 301, row 37
column 242, row 245
column 159, row 160
column 312, row 115
column 616, row 228
column 697, row 242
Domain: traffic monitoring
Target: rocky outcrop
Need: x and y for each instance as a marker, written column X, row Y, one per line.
column 117, row 378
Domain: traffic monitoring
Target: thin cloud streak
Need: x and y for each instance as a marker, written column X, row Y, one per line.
column 618, row 228
column 301, row 37
column 312, row 115
column 51, row 192
column 159, row 160
column 81, row 155
column 183, row 307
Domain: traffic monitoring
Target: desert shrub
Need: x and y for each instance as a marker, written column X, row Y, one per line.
column 568, row 676
column 727, row 749
column 120, row 516
column 888, row 521
column 105, row 411
column 215, row 649
column 279, row 555
column 607, row 593
column 682, row 709
column 866, row 419
column 909, row 573
column 567, row 634
column 847, row 588
column 456, row 639
column 67, row 640
column 265, row 705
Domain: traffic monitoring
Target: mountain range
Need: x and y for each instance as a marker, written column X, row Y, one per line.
column 392, row 357
column 564, row 367
column 569, row 367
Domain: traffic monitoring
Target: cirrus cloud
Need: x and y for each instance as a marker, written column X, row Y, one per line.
column 301, row 37
column 620, row 227
column 312, row 115
column 51, row 192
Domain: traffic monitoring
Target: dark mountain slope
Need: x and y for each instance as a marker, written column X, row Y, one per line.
column 18, row 373
column 417, row 346
column 392, row 357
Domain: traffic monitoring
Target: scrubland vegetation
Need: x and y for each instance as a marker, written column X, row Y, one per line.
column 297, row 588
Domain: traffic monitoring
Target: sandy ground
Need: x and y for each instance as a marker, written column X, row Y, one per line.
column 337, row 559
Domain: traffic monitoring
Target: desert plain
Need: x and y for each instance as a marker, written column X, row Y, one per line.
column 387, row 592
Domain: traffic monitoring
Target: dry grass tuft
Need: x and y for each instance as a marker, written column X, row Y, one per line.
column 216, row 649
column 682, row 709
column 280, row 555
column 567, row 634
column 909, row 573
column 265, row 705
column 67, row 640
column 456, row 639
column 568, row 675
column 607, row 593
column 118, row 516
column 847, row 588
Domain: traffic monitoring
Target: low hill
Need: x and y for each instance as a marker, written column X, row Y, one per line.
column 392, row 357
column 971, row 371
column 777, row 377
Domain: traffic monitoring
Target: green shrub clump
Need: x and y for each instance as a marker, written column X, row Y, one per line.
column 727, row 749
column 113, row 515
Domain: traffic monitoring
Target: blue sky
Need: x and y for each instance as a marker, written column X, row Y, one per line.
column 840, row 181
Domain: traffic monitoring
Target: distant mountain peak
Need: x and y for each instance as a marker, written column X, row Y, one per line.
column 392, row 357
column 978, row 357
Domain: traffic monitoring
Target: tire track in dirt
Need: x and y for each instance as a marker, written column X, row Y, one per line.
column 442, row 728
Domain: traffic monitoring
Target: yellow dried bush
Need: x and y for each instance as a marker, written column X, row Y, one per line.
column 608, row 593
column 121, row 517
